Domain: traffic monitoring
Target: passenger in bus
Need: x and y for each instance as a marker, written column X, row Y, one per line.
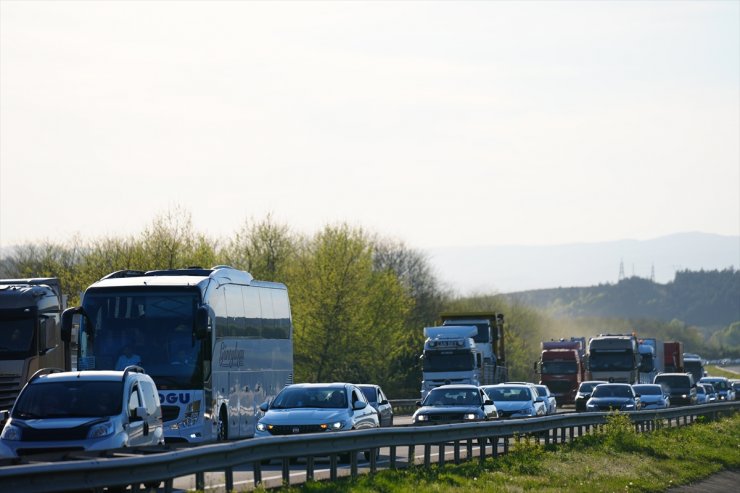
column 127, row 358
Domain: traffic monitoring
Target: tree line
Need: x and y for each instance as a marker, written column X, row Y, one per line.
column 359, row 301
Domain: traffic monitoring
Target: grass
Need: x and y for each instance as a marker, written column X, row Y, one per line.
column 716, row 371
column 617, row 460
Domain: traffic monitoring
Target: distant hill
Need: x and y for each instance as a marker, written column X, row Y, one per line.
column 703, row 298
column 506, row 269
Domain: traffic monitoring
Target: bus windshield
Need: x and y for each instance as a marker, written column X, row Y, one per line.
column 151, row 328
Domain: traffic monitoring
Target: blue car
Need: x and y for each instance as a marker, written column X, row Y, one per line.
column 612, row 397
column 725, row 391
column 516, row 400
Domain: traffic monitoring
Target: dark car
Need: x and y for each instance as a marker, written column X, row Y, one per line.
column 613, row 396
column 379, row 401
column 454, row 404
column 584, row 393
column 680, row 386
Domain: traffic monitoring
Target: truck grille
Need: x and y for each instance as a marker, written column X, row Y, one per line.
column 10, row 386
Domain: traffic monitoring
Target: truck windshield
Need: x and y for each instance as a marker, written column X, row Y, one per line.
column 73, row 399
column 646, row 363
column 16, row 334
column 559, row 367
column 605, row 361
column 151, row 328
column 448, row 361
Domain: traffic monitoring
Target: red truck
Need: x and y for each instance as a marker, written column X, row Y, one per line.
column 673, row 356
column 561, row 368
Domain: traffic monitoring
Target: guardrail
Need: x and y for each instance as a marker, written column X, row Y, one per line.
column 102, row 472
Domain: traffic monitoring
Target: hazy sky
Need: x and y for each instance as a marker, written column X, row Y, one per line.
column 435, row 123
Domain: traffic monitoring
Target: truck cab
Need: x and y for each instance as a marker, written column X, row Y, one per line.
column 450, row 356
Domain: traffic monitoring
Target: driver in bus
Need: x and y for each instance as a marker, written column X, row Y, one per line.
column 127, row 358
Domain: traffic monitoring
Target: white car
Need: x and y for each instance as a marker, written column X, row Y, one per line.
column 83, row 411
column 516, row 400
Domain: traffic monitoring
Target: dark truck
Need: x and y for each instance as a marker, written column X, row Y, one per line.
column 30, row 332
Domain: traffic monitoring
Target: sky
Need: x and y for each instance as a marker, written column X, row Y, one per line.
column 433, row 123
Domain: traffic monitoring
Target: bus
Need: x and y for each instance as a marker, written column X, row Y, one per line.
column 217, row 343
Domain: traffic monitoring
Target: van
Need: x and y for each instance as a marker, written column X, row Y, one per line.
column 680, row 386
column 63, row 412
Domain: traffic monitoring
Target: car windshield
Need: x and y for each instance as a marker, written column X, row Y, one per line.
column 612, row 391
column 312, row 397
column 507, row 394
column 648, row 389
column 673, row 381
column 717, row 384
column 542, row 390
column 72, row 399
column 453, row 397
column 588, row 386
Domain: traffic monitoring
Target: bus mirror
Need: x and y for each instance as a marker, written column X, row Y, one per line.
column 200, row 330
column 67, row 322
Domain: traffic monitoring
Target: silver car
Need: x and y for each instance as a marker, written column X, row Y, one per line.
column 83, row 411
column 516, row 400
column 316, row 408
column 652, row 396
column 377, row 399
column 552, row 405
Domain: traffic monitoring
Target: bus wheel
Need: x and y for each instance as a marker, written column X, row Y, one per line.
column 223, row 425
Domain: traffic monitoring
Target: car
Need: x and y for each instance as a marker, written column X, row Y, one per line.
column 551, row 404
column 680, row 386
column 376, row 397
column 584, row 393
column 454, row 404
column 516, row 400
column 705, row 393
column 735, row 386
column 652, row 396
column 316, row 408
column 722, row 385
column 83, row 411
column 612, row 397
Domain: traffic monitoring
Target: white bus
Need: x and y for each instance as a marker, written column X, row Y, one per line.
column 216, row 342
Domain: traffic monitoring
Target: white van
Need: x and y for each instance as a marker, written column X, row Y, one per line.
column 61, row 412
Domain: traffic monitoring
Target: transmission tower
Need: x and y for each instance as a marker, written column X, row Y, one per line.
column 652, row 272
column 621, row 269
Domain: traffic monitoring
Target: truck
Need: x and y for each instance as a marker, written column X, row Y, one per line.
column 489, row 339
column 466, row 348
column 30, row 332
column 561, row 368
column 651, row 359
column 673, row 357
column 694, row 364
column 613, row 358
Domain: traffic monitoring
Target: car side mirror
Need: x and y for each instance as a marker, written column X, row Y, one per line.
column 383, row 402
column 488, row 402
column 264, row 406
column 418, row 403
column 139, row 414
column 359, row 405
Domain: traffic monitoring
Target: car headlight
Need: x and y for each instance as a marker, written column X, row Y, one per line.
column 101, row 430
column 261, row 427
column 11, row 432
column 336, row 425
column 469, row 416
column 422, row 417
column 591, row 406
column 629, row 406
column 684, row 396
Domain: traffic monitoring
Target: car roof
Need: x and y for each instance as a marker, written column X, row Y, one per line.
column 607, row 384
column 646, row 385
column 461, row 386
column 594, row 381
column 88, row 375
column 318, row 385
